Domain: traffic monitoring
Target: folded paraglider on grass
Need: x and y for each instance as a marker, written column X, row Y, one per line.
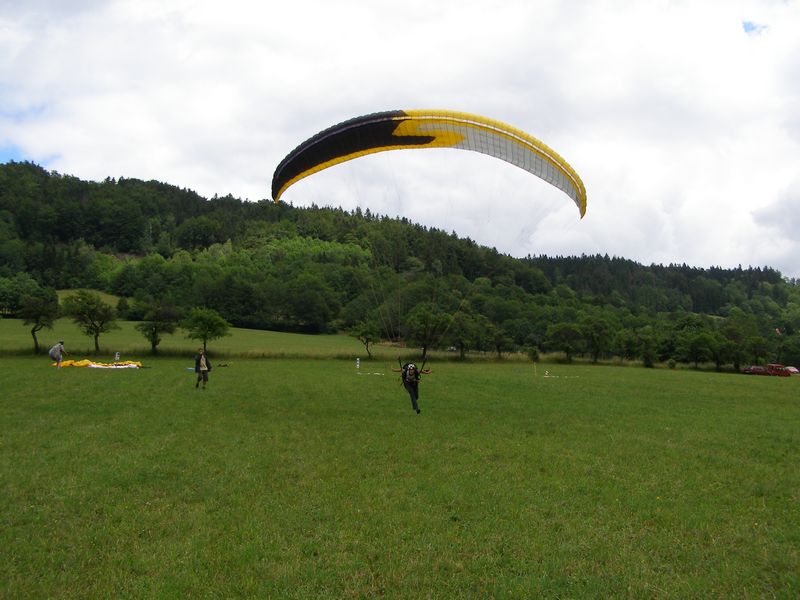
column 126, row 364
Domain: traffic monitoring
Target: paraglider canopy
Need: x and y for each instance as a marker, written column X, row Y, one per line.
column 415, row 129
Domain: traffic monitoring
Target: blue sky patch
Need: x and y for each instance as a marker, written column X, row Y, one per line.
column 10, row 152
column 751, row 28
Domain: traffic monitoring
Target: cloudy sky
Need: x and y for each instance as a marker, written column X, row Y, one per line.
column 682, row 117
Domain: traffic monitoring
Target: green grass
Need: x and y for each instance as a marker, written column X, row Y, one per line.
column 302, row 479
column 15, row 338
column 109, row 299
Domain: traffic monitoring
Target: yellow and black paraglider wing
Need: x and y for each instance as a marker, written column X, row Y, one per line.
column 398, row 130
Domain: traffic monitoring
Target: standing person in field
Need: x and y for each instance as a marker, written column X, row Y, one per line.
column 57, row 353
column 410, row 376
column 201, row 366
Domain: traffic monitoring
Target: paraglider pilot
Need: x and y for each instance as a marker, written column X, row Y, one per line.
column 410, row 377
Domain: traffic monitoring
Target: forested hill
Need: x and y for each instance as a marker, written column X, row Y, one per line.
column 274, row 266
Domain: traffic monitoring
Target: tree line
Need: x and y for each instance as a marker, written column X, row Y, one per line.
column 317, row 270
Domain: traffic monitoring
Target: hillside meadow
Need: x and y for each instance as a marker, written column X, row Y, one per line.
column 305, row 478
column 15, row 338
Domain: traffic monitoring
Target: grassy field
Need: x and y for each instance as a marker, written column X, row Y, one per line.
column 15, row 338
column 109, row 299
column 303, row 479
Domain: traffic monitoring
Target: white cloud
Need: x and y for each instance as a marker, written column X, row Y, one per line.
column 683, row 121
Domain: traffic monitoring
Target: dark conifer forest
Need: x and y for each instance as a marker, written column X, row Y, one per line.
column 273, row 266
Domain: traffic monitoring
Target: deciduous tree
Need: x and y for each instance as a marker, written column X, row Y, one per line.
column 160, row 317
column 205, row 324
column 565, row 337
column 38, row 309
column 366, row 332
column 91, row 314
